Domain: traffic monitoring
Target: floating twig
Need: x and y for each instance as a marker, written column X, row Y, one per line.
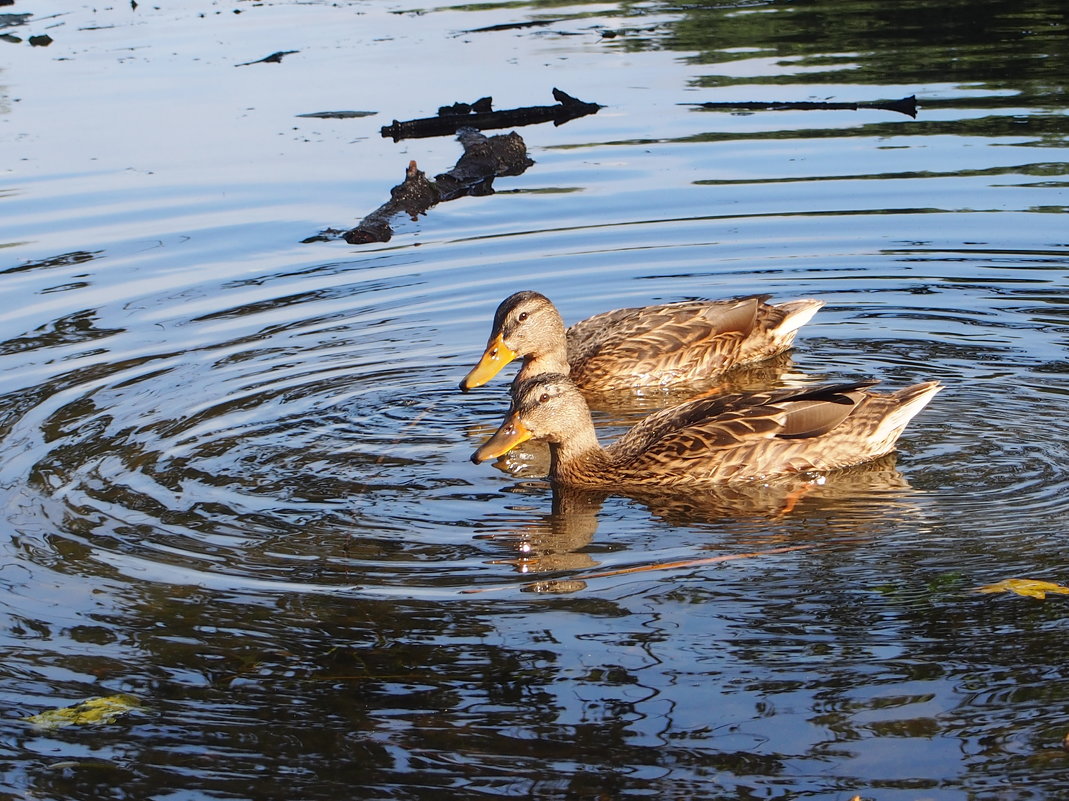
column 907, row 106
column 338, row 115
column 511, row 26
column 479, row 115
column 274, row 58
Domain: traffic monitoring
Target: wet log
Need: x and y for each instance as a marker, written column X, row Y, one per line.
column 484, row 159
column 482, row 117
column 906, row 105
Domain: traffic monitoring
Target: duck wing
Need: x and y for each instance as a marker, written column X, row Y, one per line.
column 674, row 341
column 707, row 429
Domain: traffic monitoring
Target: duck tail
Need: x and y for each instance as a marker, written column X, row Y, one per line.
column 796, row 313
column 906, row 403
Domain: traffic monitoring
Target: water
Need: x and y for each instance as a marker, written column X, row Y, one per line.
column 235, row 479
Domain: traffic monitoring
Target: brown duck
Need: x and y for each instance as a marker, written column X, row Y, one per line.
column 642, row 346
column 710, row 439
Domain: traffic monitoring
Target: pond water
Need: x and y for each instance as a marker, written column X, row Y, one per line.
column 234, row 466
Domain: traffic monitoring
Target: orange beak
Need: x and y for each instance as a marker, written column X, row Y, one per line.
column 511, row 434
column 497, row 355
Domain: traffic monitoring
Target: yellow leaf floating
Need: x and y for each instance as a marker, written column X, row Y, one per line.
column 1033, row 588
column 103, row 709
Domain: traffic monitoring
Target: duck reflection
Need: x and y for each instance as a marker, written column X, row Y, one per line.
column 797, row 512
column 554, row 541
column 625, row 407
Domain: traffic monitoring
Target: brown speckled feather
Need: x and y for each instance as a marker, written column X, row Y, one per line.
column 660, row 344
column 715, row 439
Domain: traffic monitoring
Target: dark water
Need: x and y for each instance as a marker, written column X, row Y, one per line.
column 234, row 472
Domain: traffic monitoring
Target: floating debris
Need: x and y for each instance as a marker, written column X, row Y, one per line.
column 338, row 115
column 511, row 26
column 484, row 159
column 274, row 58
column 1032, row 588
column 91, row 711
column 906, row 105
column 480, row 116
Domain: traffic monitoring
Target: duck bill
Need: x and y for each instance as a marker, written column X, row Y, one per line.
column 497, row 355
column 511, row 434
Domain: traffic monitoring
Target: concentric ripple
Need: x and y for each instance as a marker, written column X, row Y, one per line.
column 315, row 438
column 234, row 467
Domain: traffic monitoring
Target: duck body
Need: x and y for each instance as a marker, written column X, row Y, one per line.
column 710, row 440
column 641, row 346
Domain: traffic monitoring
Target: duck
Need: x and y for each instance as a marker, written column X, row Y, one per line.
column 642, row 346
column 710, row 439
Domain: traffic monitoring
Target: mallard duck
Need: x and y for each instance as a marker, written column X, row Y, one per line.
column 647, row 345
column 709, row 439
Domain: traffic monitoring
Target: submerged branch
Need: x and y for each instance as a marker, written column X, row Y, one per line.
column 484, row 159
column 906, row 105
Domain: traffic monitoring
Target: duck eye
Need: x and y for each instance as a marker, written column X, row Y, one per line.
column 522, row 317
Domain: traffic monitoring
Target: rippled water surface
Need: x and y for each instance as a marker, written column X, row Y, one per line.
column 234, row 471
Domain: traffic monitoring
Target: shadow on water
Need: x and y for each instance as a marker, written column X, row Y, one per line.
column 234, row 472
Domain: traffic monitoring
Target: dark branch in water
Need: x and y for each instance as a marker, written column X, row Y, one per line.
column 907, row 106
column 338, row 115
column 480, row 116
column 484, row 159
column 512, row 26
column 274, row 58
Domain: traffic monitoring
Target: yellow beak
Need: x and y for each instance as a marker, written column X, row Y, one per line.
column 497, row 355
column 511, row 434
